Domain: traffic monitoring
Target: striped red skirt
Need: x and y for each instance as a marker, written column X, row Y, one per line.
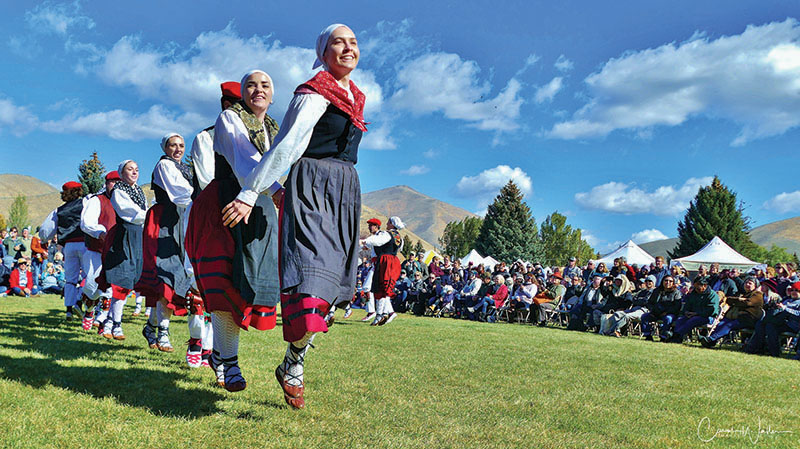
column 211, row 250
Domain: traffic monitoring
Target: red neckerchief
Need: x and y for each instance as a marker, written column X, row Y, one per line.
column 326, row 85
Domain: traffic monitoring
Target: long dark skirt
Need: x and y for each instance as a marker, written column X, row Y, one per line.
column 235, row 268
column 122, row 256
column 163, row 273
column 320, row 230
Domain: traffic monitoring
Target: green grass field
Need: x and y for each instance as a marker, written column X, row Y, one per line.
column 418, row 382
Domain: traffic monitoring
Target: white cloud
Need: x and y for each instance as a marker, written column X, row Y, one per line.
column 124, row 125
column 16, row 119
column 430, row 154
column 530, row 61
column 57, row 18
column 624, row 198
column 751, row 79
column 445, row 83
column 548, row 91
column 486, row 185
column 378, row 138
column 590, row 239
column 648, row 235
column 415, row 170
column 563, row 64
column 784, row 202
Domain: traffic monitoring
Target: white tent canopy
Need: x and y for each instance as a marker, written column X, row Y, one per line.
column 473, row 257
column 490, row 261
column 477, row 259
column 715, row 251
column 632, row 253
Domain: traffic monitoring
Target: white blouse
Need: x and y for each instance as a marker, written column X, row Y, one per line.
column 203, row 157
column 232, row 141
column 304, row 112
column 126, row 209
column 167, row 176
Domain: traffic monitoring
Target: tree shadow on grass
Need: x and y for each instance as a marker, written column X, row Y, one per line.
column 111, row 369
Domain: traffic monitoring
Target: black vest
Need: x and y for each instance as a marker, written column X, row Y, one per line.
column 69, row 221
column 391, row 246
column 161, row 195
column 334, row 136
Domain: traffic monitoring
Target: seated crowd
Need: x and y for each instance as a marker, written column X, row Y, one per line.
column 29, row 266
column 653, row 300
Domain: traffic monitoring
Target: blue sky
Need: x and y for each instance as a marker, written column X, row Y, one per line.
column 611, row 114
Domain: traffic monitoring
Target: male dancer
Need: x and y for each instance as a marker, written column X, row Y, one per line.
column 384, row 246
column 65, row 222
column 97, row 219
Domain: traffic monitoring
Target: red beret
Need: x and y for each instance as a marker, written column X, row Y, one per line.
column 796, row 285
column 113, row 176
column 374, row 221
column 71, row 185
column 231, row 89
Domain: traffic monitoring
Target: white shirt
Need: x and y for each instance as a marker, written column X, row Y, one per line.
column 203, row 157
column 126, row 209
column 90, row 217
column 167, row 176
column 304, row 112
column 232, row 141
column 49, row 227
column 377, row 239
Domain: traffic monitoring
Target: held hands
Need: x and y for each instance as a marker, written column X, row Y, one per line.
column 234, row 212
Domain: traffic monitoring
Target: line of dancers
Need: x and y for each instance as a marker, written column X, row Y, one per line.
column 225, row 242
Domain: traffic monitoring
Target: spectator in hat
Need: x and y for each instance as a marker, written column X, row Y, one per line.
column 664, row 305
column 619, row 319
column 700, row 307
column 743, row 312
column 572, row 269
column 423, row 267
column 21, row 280
column 784, row 318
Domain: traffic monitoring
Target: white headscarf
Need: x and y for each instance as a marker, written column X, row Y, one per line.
column 122, row 165
column 166, row 138
column 247, row 75
column 397, row 222
column 322, row 43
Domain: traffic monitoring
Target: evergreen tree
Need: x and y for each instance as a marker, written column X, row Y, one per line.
column 508, row 231
column 796, row 261
column 18, row 212
column 408, row 247
column 714, row 211
column 91, row 174
column 459, row 237
column 418, row 248
column 560, row 242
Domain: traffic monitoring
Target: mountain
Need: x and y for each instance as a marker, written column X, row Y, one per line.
column 41, row 197
column 784, row 233
column 660, row 247
column 424, row 215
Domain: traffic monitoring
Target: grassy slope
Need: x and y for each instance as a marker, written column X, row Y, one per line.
column 419, row 382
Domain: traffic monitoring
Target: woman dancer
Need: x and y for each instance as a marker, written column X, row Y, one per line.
column 236, row 270
column 164, row 282
column 122, row 251
column 319, row 226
